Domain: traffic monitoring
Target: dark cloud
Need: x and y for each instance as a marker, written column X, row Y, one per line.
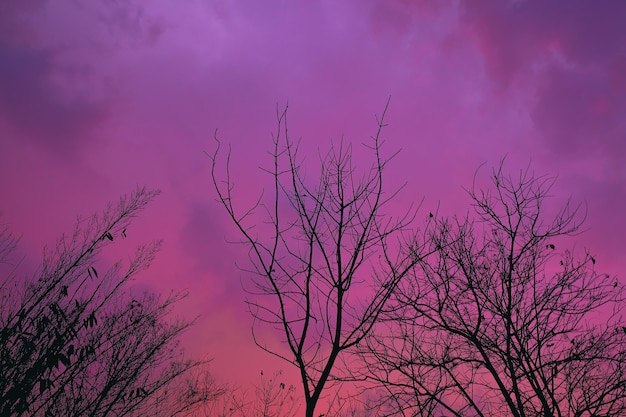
column 56, row 78
column 13, row 15
column 516, row 36
column 570, row 60
column 32, row 104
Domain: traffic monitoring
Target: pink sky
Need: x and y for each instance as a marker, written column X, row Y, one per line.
column 98, row 96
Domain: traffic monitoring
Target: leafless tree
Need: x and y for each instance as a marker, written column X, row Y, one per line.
column 271, row 397
column 74, row 343
column 274, row 398
column 353, row 403
column 501, row 320
column 7, row 243
column 324, row 256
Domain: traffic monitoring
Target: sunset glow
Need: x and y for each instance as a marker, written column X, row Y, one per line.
column 97, row 97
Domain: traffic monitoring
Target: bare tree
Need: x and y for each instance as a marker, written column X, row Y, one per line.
column 324, row 256
column 354, row 403
column 274, row 398
column 271, row 397
column 501, row 320
column 7, row 243
column 73, row 343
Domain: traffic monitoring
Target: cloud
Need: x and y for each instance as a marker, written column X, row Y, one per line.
column 31, row 103
column 519, row 36
column 567, row 60
column 203, row 238
column 138, row 88
column 58, row 76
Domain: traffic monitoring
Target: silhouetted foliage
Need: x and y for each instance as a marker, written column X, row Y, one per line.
column 502, row 320
column 311, row 247
column 73, row 343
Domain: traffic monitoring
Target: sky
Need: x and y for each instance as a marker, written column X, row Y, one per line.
column 99, row 96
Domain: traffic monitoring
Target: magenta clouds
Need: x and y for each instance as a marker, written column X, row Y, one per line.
column 98, row 96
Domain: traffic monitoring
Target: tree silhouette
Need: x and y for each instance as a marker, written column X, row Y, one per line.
column 501, row 320
column 322, row 255
column 72, row 343
column 271, row 397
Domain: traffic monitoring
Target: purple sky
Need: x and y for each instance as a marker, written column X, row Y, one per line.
column 97, row 96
